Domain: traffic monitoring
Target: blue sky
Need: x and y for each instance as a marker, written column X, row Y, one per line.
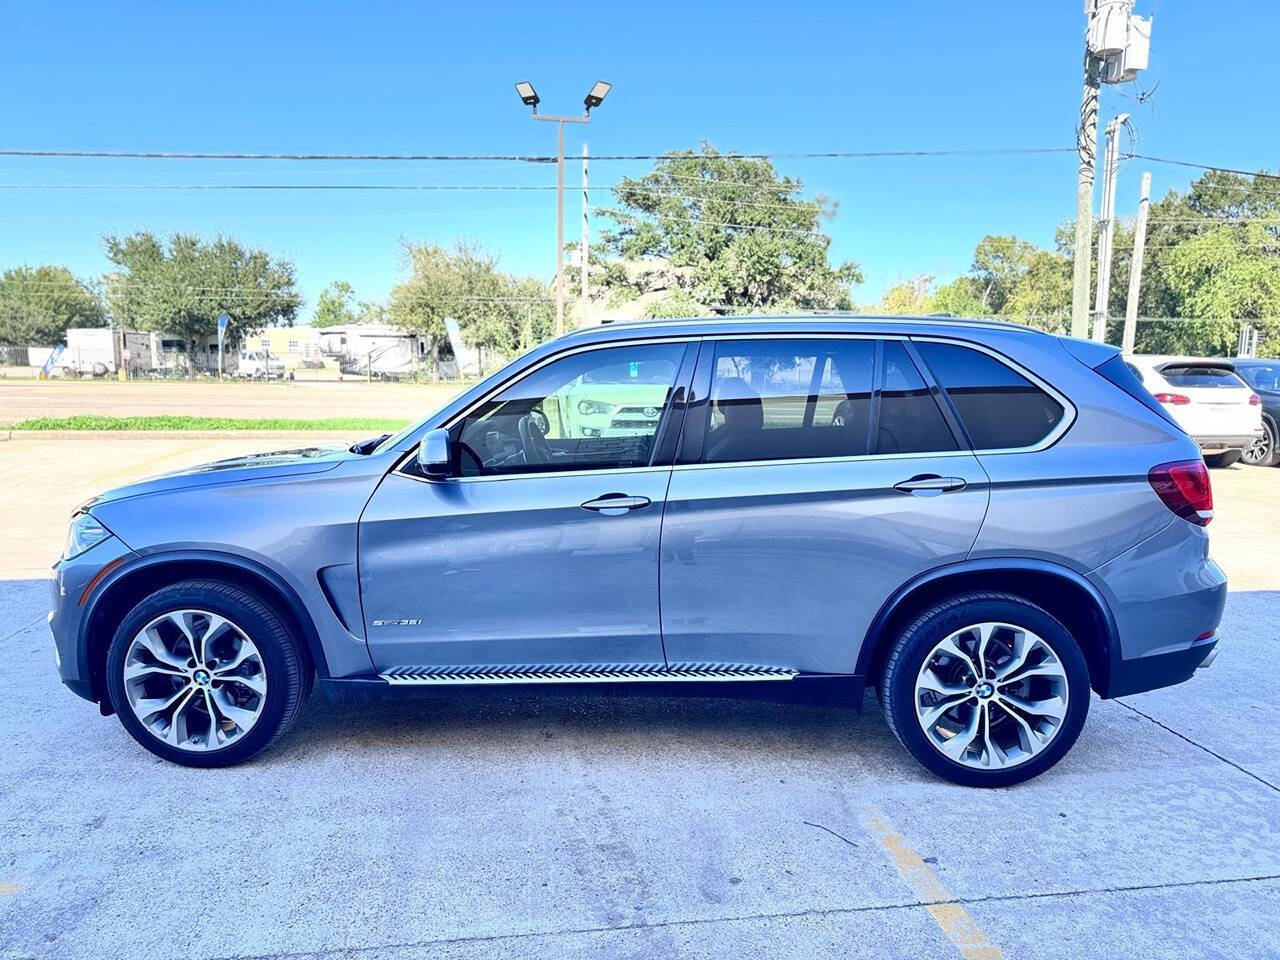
column 437, row 78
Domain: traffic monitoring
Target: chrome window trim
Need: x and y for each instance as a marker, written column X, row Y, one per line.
column 686, row 339
column 1069, row 409
column 1069, row 412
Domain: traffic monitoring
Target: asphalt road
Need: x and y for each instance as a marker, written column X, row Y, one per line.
column 522, row 827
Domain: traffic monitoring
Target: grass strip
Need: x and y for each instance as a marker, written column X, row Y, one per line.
column 89, row 421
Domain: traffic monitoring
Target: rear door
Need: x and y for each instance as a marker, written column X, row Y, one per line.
column 816, row 476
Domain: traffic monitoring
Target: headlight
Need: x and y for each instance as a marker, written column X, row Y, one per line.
column 85, row 532
column 589, row 407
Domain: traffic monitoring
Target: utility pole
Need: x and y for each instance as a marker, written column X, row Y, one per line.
column 584, row 245
column 530, row 98
column 1135, row 267
column 1117, row 47
column 1107, row 228
column 1087, row 150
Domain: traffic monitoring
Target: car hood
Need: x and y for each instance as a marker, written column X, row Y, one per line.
column 257, row 466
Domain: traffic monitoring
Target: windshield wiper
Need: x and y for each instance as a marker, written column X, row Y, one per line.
column 366, row 447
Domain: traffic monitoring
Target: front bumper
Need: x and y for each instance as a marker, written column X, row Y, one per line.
column 72, row 586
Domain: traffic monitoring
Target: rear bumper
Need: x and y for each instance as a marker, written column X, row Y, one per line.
column 1161, row 670
column 1224, row 442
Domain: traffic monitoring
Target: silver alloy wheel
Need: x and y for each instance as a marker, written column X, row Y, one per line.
column 991, row 696
column 195, row 680
column 1260, row 452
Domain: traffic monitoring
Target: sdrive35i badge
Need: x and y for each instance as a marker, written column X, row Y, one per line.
column 398, row 623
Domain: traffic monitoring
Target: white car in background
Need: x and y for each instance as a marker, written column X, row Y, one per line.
column 1208, row 399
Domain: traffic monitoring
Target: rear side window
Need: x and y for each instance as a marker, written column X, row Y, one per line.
column 1198, row 375
column 1127, row 377
column 999, row 407
column 910, row 421
column 789, row 399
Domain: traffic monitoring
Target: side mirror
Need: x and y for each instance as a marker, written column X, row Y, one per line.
column 434, row 453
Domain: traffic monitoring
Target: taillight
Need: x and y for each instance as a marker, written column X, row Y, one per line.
column 1255, row 400
column 1173, row 399
column 1184, row 488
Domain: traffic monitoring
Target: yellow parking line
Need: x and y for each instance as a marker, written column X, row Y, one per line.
column 9, row 889
column 142, row 464
column 951, row 917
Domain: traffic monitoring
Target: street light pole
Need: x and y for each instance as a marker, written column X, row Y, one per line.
column 531, row 99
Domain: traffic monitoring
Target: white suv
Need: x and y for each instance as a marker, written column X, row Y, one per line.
column 1207, row 399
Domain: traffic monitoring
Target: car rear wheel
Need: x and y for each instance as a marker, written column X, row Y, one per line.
column 1225, row 459
column 986, row 689
column 205, row 674
column 1263, row 451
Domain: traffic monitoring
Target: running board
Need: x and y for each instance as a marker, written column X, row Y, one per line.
column 584, row 673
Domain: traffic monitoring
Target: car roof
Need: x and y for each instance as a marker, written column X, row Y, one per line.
column 794, row 323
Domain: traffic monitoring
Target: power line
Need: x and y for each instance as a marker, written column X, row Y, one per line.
column 536, row 158
column 1205, row 166
column 382, row 187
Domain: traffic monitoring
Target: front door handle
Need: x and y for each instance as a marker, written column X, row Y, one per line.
column 615, row 504
column 930, row 484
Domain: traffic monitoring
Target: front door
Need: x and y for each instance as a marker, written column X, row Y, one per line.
column 540, row 553
column 816, row 477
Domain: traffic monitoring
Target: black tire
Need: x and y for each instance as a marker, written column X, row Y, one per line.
column 897, row 686
column 288, row 672
column 1264, row 454
column 1224, row 459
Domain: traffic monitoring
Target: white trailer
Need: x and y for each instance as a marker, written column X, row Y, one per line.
column 90, row 352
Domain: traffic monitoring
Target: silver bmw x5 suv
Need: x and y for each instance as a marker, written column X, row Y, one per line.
column 981, row 521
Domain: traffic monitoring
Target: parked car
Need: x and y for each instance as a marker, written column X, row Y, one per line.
column 1264, row 377
column 1208, row 400
column 980, row 521
column 254, row 365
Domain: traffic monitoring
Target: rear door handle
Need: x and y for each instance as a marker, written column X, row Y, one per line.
column 930, row 484
column 615, row 504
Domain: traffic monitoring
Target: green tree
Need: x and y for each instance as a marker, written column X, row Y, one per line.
column 727, row 231
column 38, row 304
column 334, row 306
column 496, row 312
column 960, row 298
column 182, row 287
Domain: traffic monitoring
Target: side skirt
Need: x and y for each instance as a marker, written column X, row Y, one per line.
column 833, row 690
column 585, row 673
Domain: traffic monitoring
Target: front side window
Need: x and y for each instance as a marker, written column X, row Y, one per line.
column 595, row 410
column 999, row 407
column 788, row 399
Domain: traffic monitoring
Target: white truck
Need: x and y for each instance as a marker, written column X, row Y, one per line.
column 254, row 365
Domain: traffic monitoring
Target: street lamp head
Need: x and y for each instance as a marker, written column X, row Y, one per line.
column 527, row 94
column 596, row 95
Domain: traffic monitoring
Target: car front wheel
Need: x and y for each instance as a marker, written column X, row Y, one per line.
column 986, row 689
column 206, row 674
